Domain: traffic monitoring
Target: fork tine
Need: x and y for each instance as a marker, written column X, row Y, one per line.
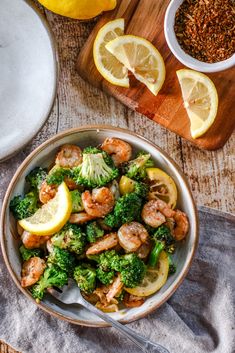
column 55, row 292
column 68, row 294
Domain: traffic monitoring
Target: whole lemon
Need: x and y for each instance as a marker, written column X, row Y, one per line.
column 79, row 9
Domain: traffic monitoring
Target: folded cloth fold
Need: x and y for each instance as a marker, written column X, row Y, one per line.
column 199, row 317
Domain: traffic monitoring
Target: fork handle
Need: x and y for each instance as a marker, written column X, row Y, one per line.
column 144, row 344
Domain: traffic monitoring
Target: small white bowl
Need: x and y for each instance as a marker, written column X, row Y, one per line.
column 180, row 54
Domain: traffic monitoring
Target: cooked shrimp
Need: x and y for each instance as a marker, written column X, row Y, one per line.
column 101, row 294
column 80, row 218
column 132, row 235
column 119, row 150
column 115, row 288
column 99, row 202
column 47, row 192
column 111, row 308
column 132, row 301
column 144, row 249
column 182, row 225
column 107, row 242
column 32, row 241
column 70, row 183
column 91, row 298
column 155, row 212
column 69, row 156
column 32, row 270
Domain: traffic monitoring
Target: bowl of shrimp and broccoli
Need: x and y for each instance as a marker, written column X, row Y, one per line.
column 106, row 208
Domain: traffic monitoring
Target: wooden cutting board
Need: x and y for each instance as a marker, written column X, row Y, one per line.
column 145, row 18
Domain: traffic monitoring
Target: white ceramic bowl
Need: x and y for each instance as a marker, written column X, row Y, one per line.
column 43, row 156
column 180, row 54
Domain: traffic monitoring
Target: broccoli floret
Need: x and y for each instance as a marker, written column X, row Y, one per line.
column 52, row 276
column 111, row 221
column 141, row 189
column 132, row 269
column 36, row 177
column 26, row 254
column 105, row 277
column 163, row 233
column 85, row 276
column 57, row 175
column 127, row 209
column 24, row 207
column 93, row 231
column 136, row 168
column 77, row 205
column 71, row 238
column 106, row 260
column 163, row 240
column 63, row 259
column 130, row 266
column 96, row 170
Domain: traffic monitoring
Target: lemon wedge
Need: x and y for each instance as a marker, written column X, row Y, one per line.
column 154, row 279
column 107, row 65
column 162, row 186
column 52, row 216
column 79, row 9
column 126, row 185
column 140, row 57
column 200, row 100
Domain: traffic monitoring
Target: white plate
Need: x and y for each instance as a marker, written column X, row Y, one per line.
column 28, row 74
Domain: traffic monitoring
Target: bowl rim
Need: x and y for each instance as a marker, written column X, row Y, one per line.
column 17, row 175
column 56, row 72
column 180, row 54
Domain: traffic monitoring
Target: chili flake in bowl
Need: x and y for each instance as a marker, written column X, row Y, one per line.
column 201, row 33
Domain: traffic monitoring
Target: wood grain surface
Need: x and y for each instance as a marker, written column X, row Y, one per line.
column 211, row 174
column 146, row 18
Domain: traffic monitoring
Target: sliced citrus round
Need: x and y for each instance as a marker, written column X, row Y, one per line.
column 140, row 57
column 126, row 185
column 52, row 216
column 200, row 100
column 107, row 65
column 162, row 186
column 154, row 279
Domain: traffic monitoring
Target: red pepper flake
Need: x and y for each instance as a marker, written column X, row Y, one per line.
column 205, row 29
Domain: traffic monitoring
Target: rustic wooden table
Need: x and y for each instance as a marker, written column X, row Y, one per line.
column 211, row 174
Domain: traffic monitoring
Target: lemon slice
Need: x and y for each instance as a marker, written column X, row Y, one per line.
column 200, row 100
column 154, row 279
column 107, row 65
column 140, row 57
column 126, row 185
column 162, row 186
column 52, row 216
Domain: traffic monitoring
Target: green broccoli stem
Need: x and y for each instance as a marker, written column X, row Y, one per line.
column 155, row 253
column 172, row 266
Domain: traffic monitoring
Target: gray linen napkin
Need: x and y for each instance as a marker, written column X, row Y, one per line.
column 198, row 318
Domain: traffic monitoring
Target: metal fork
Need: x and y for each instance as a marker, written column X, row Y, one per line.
column 70, row 294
